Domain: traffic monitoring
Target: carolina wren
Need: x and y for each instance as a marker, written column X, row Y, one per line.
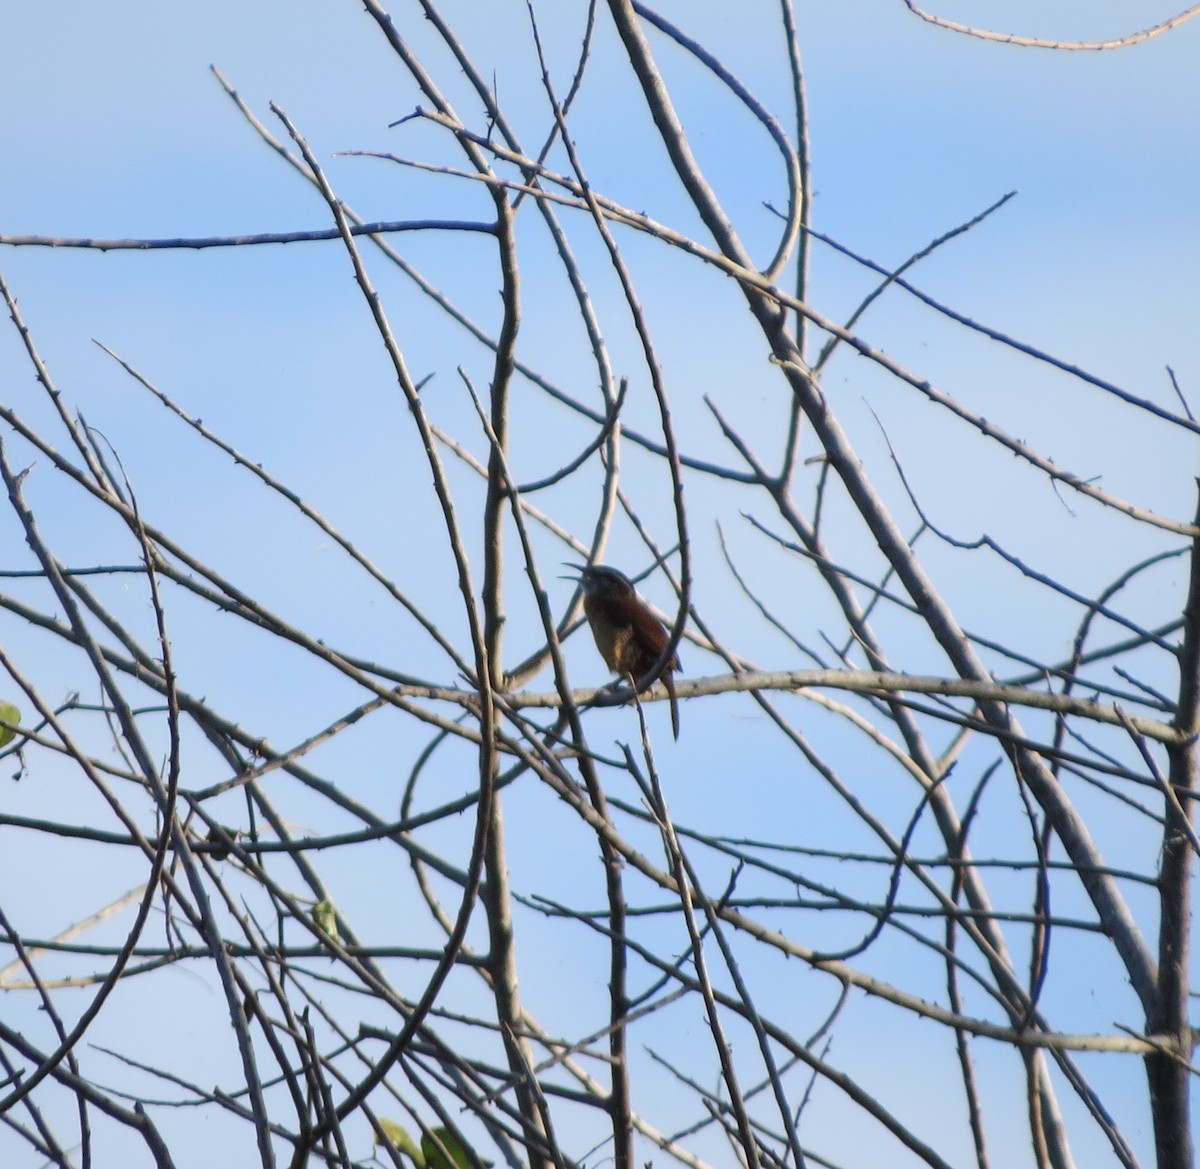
column 629, row 637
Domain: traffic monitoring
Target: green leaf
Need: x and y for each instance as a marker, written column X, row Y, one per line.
column 435, row 1158
column 325, row 916
column 397, row 1134
column 10, row 719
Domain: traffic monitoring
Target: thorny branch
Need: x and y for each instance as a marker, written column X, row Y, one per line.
column 399, row 970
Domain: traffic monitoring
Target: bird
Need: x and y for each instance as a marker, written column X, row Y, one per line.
column 628, row 635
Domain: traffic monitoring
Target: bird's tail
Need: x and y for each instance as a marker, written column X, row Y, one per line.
column 669, row 683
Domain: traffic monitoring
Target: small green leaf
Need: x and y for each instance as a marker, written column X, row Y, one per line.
column 325, row 916
column 397, row 1134
column 435, row 1158
column 10, row 719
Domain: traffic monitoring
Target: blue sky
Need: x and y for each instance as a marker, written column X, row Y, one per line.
column 113, row 126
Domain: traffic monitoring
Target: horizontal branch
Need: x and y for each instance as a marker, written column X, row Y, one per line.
column 866, row 682
column 1041, row 43
column 238, row 241
column 150, row 958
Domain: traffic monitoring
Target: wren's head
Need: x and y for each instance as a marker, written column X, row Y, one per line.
column 598, row 581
